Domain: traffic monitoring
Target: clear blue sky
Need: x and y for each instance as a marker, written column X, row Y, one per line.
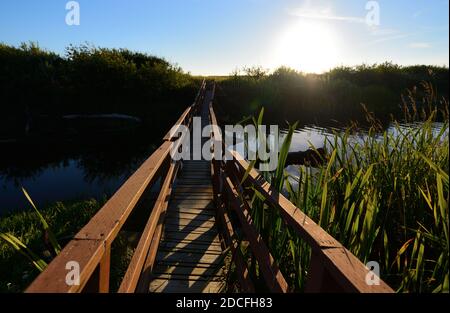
column 218, row 36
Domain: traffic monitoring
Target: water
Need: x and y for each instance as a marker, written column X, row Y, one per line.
column 316, row 136
column 97, row 167
column 72, row 170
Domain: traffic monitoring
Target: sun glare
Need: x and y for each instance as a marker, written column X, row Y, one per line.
column 307, row 47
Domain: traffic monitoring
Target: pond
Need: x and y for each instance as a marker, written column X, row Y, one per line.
column 317, row 136
column 91, row 166
column 97, row 167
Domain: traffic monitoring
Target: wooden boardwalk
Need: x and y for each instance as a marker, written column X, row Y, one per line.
column 189, row 257
column 198, row 223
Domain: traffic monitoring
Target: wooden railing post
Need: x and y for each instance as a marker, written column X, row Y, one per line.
column 105, row 270
column 99, row 280
column 319, row 278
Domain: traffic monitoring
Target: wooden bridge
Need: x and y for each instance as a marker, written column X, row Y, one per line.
column 190, row 234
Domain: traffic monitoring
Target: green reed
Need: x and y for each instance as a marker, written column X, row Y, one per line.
column 383, row 195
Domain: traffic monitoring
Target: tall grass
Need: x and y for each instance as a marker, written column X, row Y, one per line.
column 66, row 219
column 383, row 195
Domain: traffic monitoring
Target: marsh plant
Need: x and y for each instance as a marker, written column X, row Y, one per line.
column 383, row 196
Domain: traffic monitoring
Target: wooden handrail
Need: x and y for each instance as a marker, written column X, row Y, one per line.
column 91, row 246
column 333, row 267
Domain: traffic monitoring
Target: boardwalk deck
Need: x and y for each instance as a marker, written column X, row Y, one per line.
column 189, row 257
column 179, row 249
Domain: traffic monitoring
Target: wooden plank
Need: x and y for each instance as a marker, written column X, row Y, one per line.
column 185, row 184
column 199, row 229
column 202, row 221
column 194, row 277
column 188, row 245
column 198, row 237
column 190, row 257
column 87, row 253
column 145, row 277
column 104, row 269
column 190, row 226
column 195, row 182
column 185, row 286
column 187, row 230
column 201, row 203
column 215, row 243
column 184, row 260
column 132, row 274
column 192, row 196
column 191, row 216
column 192, row 205
column 175, row 210
column 192, row 190
column 185, row 271
column 202, row 178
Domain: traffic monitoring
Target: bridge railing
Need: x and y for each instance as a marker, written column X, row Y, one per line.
column 332, row 266
column 90, row 250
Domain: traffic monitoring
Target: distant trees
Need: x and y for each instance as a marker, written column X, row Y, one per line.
column 337, row 94
column 88, row 79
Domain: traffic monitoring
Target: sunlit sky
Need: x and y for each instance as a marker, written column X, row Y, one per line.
column 215, row 37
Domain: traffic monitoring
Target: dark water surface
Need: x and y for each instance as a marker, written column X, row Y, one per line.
column 97, row 167
column 92, row 166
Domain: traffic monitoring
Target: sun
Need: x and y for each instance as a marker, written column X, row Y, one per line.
column 308, row 47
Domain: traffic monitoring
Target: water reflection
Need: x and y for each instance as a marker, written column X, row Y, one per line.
column 98, row 166
column 318, row 137
column 76, row 169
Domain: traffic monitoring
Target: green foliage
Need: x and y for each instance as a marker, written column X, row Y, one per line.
column 66, row 219
column 289, row 95
column 87, row 80
column 383, row 196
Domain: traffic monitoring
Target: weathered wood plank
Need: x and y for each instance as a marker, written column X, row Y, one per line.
column 213, row 270
column 191, row 216
column 192, row 204
column 188, row 257
column 198, row 237
column 185, row 286
column 193, row 190
column 88, row 254
column 183, row 276
column 199, row 229
column 192, row 196
column 174, row 210
column 191, row 245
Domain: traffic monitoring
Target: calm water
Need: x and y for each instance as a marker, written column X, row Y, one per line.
column 303, row 138
column 69, row 171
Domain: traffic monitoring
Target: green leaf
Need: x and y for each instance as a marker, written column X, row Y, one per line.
column 51, row 236
column 19, row 246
